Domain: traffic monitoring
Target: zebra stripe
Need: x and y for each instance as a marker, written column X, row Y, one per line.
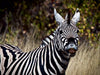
column 8, row 46
column 47, row 40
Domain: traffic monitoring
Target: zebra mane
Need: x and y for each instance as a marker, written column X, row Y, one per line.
column 47, row 40
column 68, row 17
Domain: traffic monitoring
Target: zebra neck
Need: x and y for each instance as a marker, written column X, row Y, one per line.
column 58, row 59
column 48, row 60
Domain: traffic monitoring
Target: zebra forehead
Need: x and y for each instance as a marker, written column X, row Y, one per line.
column 68, row 27
column 70, row 34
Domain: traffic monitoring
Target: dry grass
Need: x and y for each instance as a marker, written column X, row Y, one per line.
column 86, row 61
column 26, row 42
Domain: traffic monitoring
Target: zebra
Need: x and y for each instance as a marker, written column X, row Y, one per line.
column 52, row 59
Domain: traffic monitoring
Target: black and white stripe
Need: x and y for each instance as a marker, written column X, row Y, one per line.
column 8, row 46
column 47, row 40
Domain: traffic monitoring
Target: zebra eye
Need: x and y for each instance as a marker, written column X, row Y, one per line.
column 61, row 32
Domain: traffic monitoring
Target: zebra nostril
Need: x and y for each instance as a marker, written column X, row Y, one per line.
column 71, row 45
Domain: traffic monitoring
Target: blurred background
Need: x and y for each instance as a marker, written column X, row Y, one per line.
column 24, row 23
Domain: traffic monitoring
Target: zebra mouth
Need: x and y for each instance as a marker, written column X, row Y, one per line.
column 72, row 50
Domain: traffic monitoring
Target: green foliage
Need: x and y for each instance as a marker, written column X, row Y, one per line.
column 28, row 15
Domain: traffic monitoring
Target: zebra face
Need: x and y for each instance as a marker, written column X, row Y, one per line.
column 67, row 32
column 68, row 36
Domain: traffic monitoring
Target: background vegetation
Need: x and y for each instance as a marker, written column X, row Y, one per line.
column 22, row 17
column 24, row 23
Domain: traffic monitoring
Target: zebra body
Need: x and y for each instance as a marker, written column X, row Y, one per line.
column 50, row 59
column 51, row 56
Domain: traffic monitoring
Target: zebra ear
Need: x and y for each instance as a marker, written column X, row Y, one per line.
column 76, row 16
column 58, row 17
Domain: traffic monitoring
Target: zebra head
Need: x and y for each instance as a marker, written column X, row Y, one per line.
column 67, row 32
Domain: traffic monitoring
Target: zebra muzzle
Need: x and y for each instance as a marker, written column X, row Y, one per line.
column 72, row 51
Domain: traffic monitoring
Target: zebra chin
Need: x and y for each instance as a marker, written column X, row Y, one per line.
column 72, row 52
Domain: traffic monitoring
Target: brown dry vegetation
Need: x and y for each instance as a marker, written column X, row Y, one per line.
column 26, row 43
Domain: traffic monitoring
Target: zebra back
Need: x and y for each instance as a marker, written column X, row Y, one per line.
column 8, row 46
